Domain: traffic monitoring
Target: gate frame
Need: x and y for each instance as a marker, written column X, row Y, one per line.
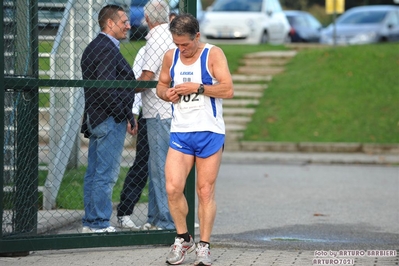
column 24, row 243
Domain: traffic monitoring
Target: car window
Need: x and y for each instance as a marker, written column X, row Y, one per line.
column 291, row 20
column 302, row 21
column 314, row 23
column 238, row 5
column 269, row 5
column 393, row 18
column 298, row 21
column 273, row 5
column 363, row 17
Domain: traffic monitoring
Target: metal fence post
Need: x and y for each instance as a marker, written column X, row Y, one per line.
column 26, row 178
column 2, row 125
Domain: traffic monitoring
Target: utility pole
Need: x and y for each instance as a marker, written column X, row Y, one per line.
column 335, row 7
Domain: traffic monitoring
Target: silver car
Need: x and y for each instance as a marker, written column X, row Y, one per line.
column 363, row 25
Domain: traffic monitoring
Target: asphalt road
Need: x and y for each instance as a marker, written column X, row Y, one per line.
column 308, row 206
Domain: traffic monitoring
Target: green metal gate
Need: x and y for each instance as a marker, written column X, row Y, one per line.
column 42, row 108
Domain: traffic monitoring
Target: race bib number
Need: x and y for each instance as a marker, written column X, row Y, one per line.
column 190, row 102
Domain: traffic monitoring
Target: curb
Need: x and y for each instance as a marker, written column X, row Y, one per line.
column 314, row 147
column 301, row 158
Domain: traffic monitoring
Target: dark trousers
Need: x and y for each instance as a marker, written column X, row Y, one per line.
column 137, row 176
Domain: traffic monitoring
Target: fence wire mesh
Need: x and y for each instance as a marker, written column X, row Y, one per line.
column 43, row 188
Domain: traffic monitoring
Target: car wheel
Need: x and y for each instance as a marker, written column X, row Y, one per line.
column 264, row 38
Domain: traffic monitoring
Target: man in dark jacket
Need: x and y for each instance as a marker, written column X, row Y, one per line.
column 108, row 112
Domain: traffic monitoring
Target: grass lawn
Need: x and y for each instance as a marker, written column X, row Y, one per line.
column 342, row 94
column 70, row 195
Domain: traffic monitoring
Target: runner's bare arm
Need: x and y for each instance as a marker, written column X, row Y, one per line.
column 219, row 68
column 163, row 87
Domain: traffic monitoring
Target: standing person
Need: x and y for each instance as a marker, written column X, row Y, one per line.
column 158, row 113
column 201, row 79
column 107, row 116
column 137, row 176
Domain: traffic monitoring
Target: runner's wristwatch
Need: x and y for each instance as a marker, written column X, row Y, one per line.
column 201, row 89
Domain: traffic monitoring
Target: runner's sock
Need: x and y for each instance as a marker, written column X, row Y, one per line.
column 206, row 243
column 185, row 236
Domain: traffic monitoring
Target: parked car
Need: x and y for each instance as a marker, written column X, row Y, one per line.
column 304, row 26
column 139, row 28
column 364, row 24
column 245, row 22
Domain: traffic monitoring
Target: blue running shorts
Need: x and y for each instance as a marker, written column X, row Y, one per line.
column 200, row 144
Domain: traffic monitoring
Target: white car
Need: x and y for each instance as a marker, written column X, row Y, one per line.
column 245, row 22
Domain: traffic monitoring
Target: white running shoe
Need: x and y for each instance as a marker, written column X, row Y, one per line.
column 126, row 223
column 203, row 255
column 109, row 229
column 178, row 250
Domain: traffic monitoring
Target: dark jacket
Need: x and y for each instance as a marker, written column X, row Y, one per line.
column 102, row 60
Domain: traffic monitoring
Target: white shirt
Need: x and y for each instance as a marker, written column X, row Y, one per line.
column 159, row 41
column 137, row 66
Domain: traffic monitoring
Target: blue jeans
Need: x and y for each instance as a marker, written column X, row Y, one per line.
column 158, row 131
column 105, row 152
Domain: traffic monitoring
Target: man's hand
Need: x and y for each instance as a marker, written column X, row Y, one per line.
column 172, row 96
column 132, row 130
column 186, row 88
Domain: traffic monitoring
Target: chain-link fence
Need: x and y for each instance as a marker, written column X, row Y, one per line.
column 45, row 155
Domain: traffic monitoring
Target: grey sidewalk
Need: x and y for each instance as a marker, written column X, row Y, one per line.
column 150, row 255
